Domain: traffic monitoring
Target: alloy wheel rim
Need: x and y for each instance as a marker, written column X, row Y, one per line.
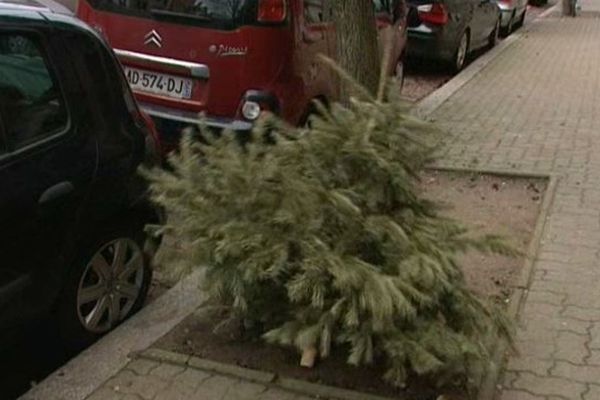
column 110, row 285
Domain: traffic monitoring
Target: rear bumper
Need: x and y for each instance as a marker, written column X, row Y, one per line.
column 171, row 123
column 428, row 44
column 193, row 119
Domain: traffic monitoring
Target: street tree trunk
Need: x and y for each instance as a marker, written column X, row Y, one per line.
column 565, row 8
column 357, row 48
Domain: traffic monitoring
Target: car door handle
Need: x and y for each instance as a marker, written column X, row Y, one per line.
column 53, row 193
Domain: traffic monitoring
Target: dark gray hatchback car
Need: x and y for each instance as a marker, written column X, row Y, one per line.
column 448, row 30
column 72, row 206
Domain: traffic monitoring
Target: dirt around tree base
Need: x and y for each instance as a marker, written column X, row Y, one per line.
column 488, row 204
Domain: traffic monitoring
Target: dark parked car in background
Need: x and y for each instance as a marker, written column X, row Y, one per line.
column 448, row 30
column 72, row 207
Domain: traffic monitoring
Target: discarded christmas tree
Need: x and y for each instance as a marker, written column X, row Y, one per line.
column 322, row 242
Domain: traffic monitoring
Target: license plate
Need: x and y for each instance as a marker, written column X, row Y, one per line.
column 157, row 83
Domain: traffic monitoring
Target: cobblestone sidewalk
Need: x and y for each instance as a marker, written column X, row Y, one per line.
column 144, row 379
column 536, row 108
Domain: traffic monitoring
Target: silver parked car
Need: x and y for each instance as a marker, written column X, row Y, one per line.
column 512, row 15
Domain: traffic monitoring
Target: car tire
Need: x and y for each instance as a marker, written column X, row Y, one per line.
column 461, row 53
column 507, row 30
column 522, row 19
column 106, row 284
column 493, row 39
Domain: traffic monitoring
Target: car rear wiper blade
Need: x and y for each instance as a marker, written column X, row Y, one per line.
column 173, row 14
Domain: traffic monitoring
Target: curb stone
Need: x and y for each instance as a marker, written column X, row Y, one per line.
column 169, row 357
column 498, row 172
column 227, row 369
column 294, row 385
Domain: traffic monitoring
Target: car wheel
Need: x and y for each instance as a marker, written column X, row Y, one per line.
column 507, row 30
column 493, row 39
column 522, row 19
column 107, row 283
column 460, row 56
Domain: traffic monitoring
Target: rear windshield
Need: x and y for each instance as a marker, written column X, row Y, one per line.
column 216, row 14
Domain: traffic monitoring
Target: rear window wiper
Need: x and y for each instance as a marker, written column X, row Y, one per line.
column 179, row 15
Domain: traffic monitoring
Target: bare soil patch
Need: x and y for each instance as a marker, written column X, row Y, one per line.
column 490, row 205
column 486, row 203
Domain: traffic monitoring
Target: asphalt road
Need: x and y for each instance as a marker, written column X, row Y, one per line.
column 28, row 357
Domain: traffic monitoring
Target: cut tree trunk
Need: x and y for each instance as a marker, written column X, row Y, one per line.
column 357, row 48
column 309, row 356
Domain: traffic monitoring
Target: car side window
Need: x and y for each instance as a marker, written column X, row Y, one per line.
column 31, row 104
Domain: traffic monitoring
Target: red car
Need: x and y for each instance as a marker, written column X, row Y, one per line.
column 227, row 59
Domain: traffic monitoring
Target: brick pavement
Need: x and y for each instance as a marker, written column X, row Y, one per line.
column 144, row 379
column 536, row 108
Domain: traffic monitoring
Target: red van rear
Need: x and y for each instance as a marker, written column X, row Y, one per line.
column 227, row 59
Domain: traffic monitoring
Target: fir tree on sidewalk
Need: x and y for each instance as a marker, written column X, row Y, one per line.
column 322, row 241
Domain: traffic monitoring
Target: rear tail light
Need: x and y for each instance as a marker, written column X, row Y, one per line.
column 435, row 13
column 272, row 11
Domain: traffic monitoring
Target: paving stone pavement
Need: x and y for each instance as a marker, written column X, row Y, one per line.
column 144, row 379
column 536, row 108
